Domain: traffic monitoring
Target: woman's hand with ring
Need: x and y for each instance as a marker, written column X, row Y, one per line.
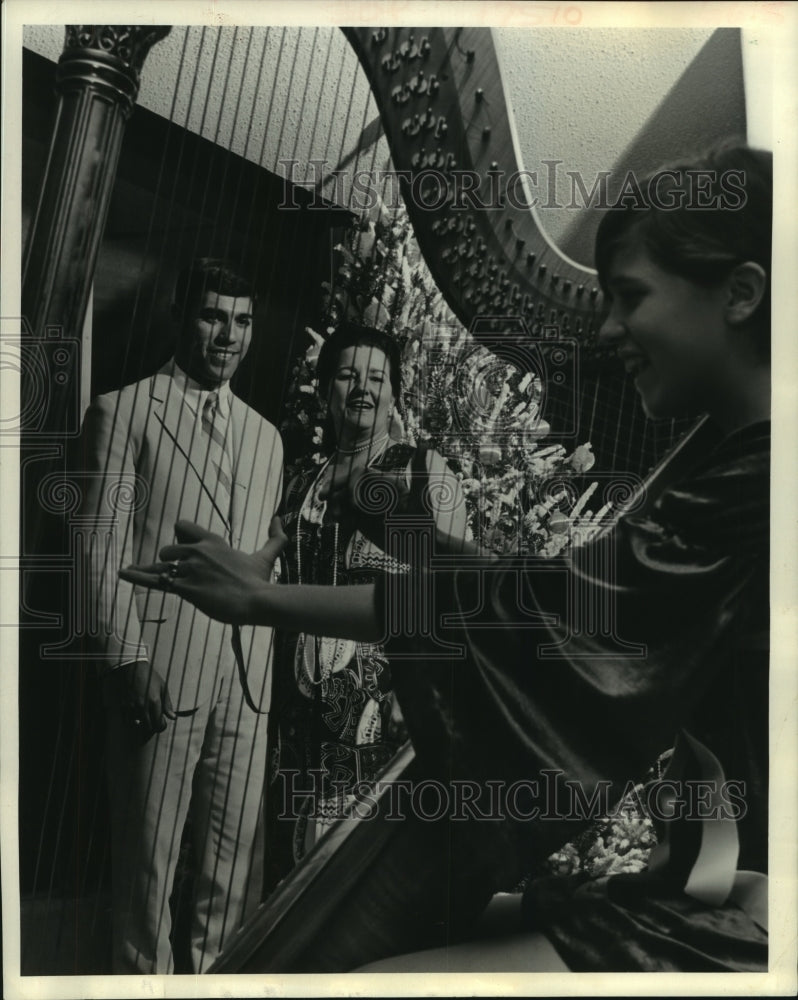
column 166, row 578
column 204, row 569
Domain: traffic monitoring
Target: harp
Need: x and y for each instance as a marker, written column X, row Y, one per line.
column 442, row 105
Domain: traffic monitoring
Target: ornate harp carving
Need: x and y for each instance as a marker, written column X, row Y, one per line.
column 452, row 139
column 97, row 81
column 440, row 95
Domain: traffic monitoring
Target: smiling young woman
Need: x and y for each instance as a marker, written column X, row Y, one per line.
column 688, row 294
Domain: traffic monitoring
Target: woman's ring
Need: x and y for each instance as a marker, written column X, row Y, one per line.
column 166, row 578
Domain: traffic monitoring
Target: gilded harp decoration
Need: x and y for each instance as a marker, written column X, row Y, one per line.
column 97, row 81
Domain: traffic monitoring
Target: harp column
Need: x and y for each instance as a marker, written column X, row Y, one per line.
column 97, row 81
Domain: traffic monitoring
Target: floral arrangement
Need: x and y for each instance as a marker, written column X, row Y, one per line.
column 621, row 842
column 458, row 397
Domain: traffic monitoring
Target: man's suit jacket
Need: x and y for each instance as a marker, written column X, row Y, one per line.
column 145, row 454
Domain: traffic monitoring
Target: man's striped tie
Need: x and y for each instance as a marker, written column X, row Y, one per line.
column 218, row 455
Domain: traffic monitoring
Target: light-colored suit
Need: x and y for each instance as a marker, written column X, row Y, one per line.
column 212, row 757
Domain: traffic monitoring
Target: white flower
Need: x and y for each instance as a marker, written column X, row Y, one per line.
column 583, row 458
column 536, row 428
column 312, row 353
column 554, row 545
column 364, row 242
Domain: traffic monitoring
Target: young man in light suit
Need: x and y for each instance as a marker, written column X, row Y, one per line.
column 186, row 698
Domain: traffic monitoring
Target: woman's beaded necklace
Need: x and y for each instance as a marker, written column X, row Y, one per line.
column 378, row 444
column 327, row 650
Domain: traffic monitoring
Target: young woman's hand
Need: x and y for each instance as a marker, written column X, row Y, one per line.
column 202, row 568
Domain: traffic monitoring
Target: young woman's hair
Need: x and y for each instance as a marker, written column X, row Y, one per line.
column 349, row 334
column 699, row 218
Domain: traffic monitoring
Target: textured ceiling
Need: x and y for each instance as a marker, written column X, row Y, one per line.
column 582, row 96
column 265, row 93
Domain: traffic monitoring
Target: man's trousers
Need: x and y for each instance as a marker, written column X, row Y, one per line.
column 211, row 762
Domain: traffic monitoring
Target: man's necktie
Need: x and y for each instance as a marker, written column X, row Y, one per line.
column 218, row 454
column 219, row 461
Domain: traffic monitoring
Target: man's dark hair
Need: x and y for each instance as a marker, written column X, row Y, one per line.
column 702, row 244
column 209, row 274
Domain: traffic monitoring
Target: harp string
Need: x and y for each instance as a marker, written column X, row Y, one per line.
column 239, row 185
column 287, row 232
column 349, row 104
column 200, row 239
column 299, row 335
column 150, row 234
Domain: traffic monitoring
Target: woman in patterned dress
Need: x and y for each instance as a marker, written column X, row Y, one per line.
column 336, row 722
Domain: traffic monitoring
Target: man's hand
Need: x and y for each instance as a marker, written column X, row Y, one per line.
column 203, row 569
column 142, row 697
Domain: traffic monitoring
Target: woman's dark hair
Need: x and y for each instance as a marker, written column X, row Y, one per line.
column 349, row 334
column 699, row 218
